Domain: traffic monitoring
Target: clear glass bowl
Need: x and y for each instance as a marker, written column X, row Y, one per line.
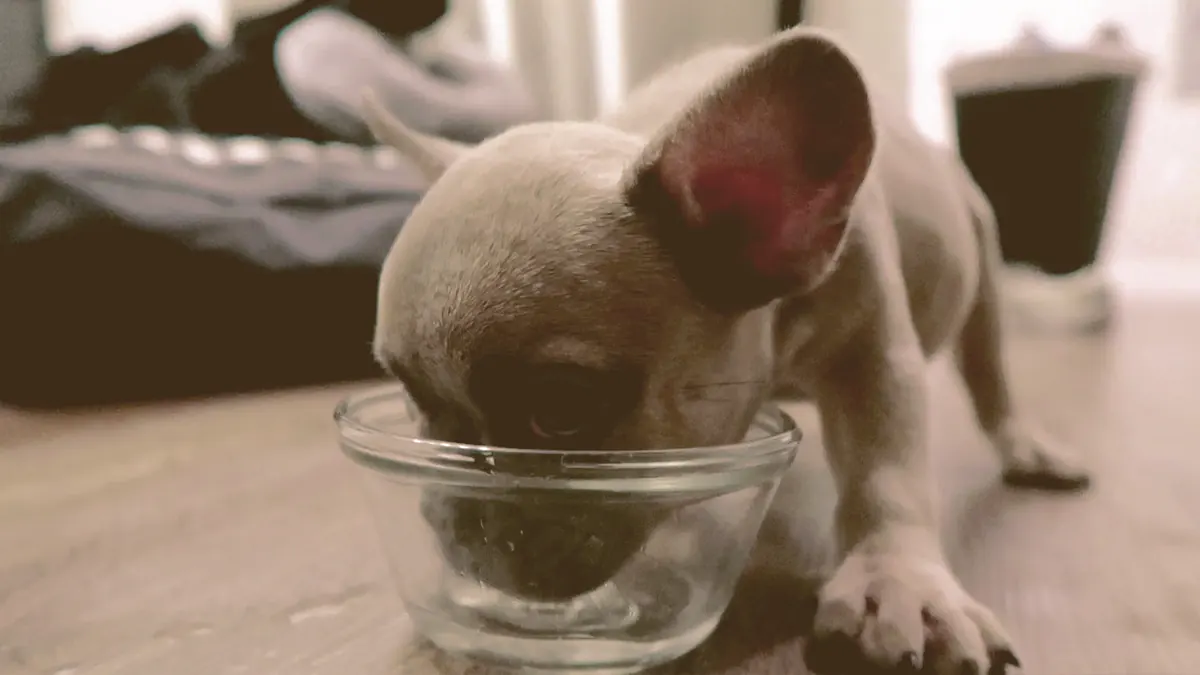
column 598, row 562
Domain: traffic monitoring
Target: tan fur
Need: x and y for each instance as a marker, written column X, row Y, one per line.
column 525, row 242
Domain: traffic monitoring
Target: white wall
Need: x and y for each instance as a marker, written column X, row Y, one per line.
column 110, row 24
column 877, row 33
column 1156, row 212
column 582, row 56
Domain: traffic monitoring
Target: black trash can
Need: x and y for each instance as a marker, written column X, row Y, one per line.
column 1041, row 129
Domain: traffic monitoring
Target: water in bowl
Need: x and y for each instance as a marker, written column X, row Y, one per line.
column 648, row 614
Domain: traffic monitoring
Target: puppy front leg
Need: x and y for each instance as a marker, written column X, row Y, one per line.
column 892, row 602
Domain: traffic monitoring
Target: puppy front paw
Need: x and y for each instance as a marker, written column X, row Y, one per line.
column 889, row 611
column 1033, row 460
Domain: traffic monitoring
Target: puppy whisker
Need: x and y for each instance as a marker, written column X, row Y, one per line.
column 714, row 385
column 703, row 392
column 715, row 401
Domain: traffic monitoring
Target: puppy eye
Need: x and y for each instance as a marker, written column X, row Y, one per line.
column 566, row 405
column 551, row 405
column 555, row 421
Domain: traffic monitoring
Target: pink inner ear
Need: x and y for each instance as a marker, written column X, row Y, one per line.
column 786, row 223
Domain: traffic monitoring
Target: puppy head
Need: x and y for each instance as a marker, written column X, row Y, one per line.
column 570, row 286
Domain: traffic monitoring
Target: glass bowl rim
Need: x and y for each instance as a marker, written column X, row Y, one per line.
column 360, row 441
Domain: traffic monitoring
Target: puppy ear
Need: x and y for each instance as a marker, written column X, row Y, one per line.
column 750, row 189
column 430, row 154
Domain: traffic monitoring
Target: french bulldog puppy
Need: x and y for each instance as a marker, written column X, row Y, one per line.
column 748, row 222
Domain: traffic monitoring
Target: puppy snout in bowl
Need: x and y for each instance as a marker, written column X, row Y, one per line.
column 537, row 546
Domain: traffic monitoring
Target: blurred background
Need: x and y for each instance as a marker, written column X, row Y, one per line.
column 235, row 93
column 585, row 54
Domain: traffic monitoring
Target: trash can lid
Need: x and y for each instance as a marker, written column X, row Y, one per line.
column 1032, row 61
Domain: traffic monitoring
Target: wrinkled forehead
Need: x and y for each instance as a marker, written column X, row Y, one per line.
column 532, row 182
column 523, row 252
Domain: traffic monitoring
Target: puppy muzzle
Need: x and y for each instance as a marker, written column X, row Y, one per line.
column 538, row 546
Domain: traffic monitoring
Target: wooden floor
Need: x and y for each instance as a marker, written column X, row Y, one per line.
column 230, row 536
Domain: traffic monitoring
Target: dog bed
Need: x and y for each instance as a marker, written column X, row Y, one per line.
column 145, row 263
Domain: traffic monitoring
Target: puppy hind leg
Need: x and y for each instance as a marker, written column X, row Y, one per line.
column 1029, row 458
